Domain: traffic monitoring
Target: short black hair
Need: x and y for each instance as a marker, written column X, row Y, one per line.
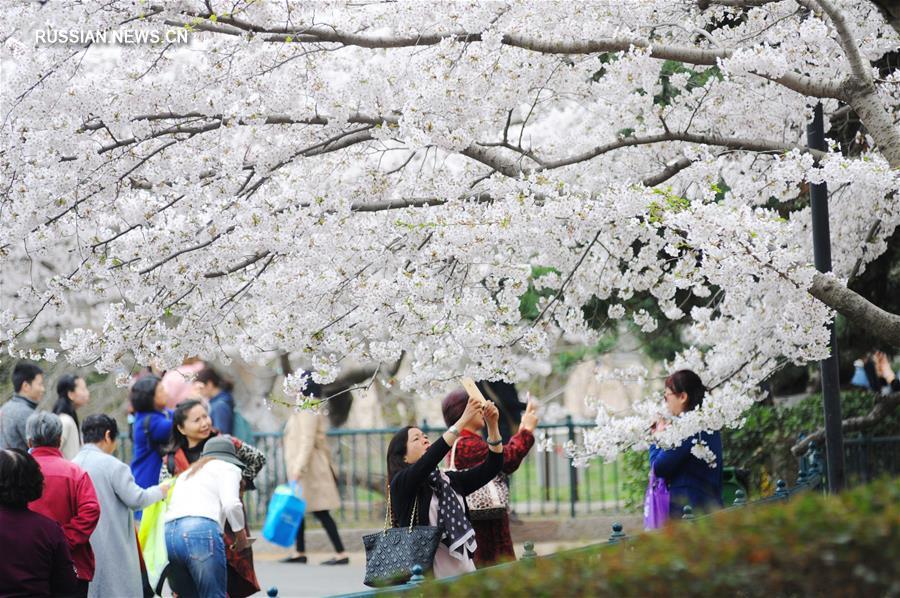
column 689, row 382
column 142, row 393
column 96, row 426
column 21, row 480
column 25, row 371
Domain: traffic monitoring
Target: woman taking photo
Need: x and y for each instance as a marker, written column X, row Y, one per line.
column 152, row 428
column 690, row 480
column 192, row 430
column 437, row 497
column 204, row 499
column 72, row 394
column 494, row 540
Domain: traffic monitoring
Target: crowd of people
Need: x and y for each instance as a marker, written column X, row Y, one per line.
column 74, row 508
column 71, row 505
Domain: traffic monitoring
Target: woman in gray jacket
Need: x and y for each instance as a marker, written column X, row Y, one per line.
column 118, row 568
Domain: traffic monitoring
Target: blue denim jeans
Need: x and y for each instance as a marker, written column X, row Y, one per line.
column 197, row 565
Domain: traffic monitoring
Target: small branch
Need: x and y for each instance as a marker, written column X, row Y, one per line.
column 873, row 231
column 248, row 262
column 249, row 282
column 568, row 279
column 884, row 406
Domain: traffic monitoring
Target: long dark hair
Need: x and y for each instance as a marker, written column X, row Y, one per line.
column 396, row 452
column 64, row 404
column 179, row 440
column 208, row 374
column 689, row 382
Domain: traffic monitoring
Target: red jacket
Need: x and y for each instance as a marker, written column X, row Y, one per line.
column 70, row 500
column 492, row 535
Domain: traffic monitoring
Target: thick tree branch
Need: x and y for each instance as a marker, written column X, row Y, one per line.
column 668, row 172
column 687, row 54
column 858, row 65
column 856, row 308
column 884, row 406
column 737, row 143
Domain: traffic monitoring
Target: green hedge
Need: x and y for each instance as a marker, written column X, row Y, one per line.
column 848, row 545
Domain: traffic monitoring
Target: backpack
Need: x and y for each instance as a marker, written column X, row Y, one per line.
column 241, row 428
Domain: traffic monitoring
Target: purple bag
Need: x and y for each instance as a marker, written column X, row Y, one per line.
column 656, row 503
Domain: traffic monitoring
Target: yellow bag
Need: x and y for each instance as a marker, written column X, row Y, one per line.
column 152, row 537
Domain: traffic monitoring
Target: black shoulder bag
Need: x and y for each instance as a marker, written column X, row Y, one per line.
column 391, row 553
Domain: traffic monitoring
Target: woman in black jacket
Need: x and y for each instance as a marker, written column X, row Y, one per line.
column 438, row 497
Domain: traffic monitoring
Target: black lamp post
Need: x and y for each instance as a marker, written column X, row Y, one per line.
column 831, row 398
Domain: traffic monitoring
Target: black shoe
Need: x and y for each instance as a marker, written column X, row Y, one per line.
column 343, row 561
column 294, row 559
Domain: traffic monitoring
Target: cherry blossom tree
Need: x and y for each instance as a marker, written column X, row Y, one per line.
column 347, row 181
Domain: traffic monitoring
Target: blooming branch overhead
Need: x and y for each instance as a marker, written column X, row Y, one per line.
column 352, row 180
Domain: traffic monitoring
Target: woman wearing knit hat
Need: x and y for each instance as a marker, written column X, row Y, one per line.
column 203, row 498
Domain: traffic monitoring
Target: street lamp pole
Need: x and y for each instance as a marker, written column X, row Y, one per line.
column 831, row 398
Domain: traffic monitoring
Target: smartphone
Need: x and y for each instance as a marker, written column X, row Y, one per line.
column 472, row 389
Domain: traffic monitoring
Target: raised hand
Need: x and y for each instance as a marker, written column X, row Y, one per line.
column 491, row 414
column 530, row 417
column 474, row 410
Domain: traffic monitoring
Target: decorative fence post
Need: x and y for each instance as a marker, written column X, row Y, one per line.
column 529, row 551
column 781, row 490
column 573, row 472
column 417, row 576
column 617, row 534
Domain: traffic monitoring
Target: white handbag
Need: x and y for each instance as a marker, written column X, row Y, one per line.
column 491, row 501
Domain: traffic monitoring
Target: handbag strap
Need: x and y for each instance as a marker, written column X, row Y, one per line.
column 389, row 511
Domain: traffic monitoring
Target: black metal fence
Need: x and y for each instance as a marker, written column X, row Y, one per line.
column 870, row 457
column 545, row 483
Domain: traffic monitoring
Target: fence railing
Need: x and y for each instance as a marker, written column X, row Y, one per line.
column 869, row 457
column 545, row 484
column 810, row 478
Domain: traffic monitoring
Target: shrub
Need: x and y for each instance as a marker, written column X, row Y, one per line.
column 845, row 545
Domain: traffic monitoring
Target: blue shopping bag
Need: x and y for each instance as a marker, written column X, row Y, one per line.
column 284, row 515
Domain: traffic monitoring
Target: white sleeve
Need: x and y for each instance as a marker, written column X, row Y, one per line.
column 230, row 496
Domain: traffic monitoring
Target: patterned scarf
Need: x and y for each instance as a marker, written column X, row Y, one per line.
column 459, row 537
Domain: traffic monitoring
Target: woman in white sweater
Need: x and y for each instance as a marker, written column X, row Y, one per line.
column 72, row 394
column 203, row 499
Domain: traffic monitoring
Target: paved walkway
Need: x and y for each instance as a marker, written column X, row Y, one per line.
column 312, row 580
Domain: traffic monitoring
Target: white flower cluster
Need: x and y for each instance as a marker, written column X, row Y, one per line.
column 420, row 191
column 701, row 450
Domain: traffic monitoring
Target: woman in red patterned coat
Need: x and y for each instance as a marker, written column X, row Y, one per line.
column 492, row 535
